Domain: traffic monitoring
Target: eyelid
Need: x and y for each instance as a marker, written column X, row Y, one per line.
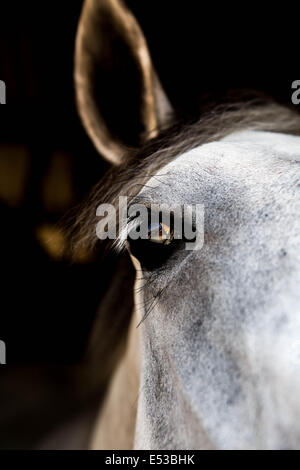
column 152, row 206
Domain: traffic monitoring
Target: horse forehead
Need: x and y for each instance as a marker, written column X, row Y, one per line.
column 283, row 145
column 240, row 154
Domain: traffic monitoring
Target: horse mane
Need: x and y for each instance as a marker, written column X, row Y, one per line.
column 179, row 137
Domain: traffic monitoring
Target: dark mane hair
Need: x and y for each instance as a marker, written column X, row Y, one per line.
column 141, row 164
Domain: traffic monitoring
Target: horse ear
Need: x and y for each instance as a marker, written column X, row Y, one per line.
column 119, row 96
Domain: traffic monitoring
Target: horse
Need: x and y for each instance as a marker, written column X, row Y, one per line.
column 211, row 359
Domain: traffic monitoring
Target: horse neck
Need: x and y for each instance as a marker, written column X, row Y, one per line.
column 115, row 425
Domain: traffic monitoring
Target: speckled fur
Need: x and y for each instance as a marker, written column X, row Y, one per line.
column 221, row 347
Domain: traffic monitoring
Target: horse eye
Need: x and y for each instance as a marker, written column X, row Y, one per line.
column 158, row 246
column 158, row 243
column 160, row 233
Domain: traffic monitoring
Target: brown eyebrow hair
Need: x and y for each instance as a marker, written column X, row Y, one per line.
column 131, row 176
